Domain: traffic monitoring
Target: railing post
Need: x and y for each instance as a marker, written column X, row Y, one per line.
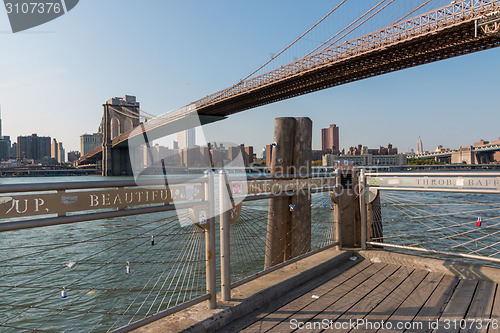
column 362, row 207
column 210, row 240
column 337, row 225
column 225, row 258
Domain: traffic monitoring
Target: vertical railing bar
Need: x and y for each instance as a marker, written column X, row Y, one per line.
column 362, row 208
column 210, row 241
column 337, row 225
column 225, row 259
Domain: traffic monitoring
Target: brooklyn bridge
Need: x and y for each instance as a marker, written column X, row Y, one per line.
column 458, row 28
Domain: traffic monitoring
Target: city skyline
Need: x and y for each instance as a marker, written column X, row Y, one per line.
column 59, row 90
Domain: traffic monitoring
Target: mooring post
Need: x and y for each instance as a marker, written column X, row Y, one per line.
column 210, row 240
column 225, row 258
column 362, row 207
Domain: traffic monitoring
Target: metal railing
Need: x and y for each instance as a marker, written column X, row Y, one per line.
column 246, row 230
column 441, row 214
column 89, row 256
column 112, row 265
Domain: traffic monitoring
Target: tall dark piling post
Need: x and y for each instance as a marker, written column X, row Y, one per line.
column 278, row 212
column 289, row 219
column 300, row 229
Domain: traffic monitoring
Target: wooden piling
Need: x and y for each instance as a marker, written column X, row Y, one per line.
column 279, row 211
column 300, row 227
column 346, row 210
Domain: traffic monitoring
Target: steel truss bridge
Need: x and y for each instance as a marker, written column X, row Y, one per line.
column 461, row 27
column 478, row 149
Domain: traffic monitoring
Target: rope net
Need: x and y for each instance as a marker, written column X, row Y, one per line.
column 249, row 233
column 99, row 275
column 445, row 222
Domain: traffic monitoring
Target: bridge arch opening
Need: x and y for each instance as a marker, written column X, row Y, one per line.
column 115, row 127
column 127, row 125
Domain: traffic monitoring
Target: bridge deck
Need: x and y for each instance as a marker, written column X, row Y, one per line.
column 378, row 292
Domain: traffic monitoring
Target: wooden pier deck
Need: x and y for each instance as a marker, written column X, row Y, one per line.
column 376, row 292
column 359, row 296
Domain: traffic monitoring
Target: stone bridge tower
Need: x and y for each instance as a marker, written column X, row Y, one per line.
column 120, row 116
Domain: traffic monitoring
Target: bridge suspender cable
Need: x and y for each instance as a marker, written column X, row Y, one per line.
column 281, row 52
column 353, row 29
column 129, row 114
column 413, row 11
column 347, row 27
column 296, row 40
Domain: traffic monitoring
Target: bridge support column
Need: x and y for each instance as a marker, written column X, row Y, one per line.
column 464, row 155
column 116, row 161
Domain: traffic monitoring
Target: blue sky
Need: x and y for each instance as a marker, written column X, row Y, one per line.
column 55, row 77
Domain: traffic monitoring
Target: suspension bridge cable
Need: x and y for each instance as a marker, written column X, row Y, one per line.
column 344, row 29
column 217, row 95
column 296, row 40
column 413, row 11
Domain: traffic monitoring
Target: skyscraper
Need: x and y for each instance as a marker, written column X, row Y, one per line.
column 330, row 139
column 54, row 149
column 60, row 153
column 33, row 147
column 187, row 138
column 420, row 146
column 89, row 142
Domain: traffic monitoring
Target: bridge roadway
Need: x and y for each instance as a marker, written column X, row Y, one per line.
column 377, row 287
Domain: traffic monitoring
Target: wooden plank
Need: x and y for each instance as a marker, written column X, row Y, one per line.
column 480, row 307
column 495, row 313
column 263, row 311
column 412, row 305
column 338, row 308
column 305, row 307
column 457, row 307
column 308, row 313
column 434, row 306
column 376, row 296
column 384, row 309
